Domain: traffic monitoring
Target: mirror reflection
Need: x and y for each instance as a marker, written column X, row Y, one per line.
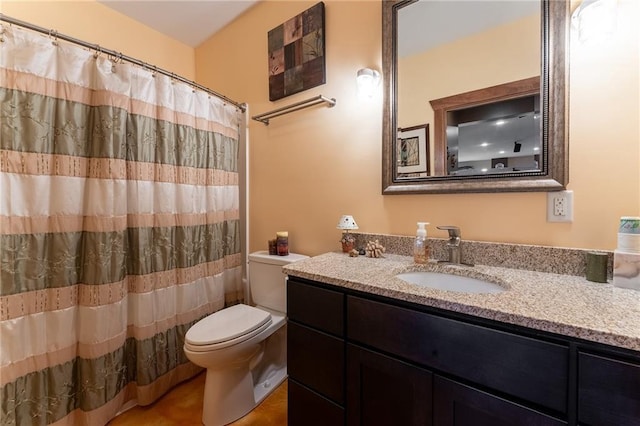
column 460, row 66
column 507, row 57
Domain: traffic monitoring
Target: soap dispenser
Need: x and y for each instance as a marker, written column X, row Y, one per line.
column 420, row 246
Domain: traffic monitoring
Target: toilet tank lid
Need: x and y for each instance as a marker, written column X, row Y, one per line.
column 265, row 257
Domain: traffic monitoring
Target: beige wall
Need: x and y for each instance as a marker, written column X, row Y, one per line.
column 97, row 24
column 309, row 167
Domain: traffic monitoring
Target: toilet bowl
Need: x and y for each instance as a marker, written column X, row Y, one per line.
column 243, row 347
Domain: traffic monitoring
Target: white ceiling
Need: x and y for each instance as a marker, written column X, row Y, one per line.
column 194, row 21
column 190, row 22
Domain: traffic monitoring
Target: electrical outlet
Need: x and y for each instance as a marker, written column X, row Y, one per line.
column 560, row 206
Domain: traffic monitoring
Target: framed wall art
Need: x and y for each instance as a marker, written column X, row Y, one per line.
column 412, row 151
column 297, row 54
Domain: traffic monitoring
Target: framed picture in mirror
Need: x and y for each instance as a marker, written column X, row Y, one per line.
column 412, row 151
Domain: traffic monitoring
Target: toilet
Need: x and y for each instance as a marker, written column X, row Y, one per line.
column 244, row 348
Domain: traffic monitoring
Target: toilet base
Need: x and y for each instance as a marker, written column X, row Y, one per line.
column 232, row 392
column 235, row 394
column 263, row 389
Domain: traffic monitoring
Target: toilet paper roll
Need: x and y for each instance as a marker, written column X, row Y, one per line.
column 629, row 225
column 629, row 243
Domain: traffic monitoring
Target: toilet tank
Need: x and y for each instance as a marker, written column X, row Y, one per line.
column 266, row 280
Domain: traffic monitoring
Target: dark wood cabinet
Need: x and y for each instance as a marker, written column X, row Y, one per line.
column 456, row 404
column 526, row 368
column 365, row 360
column 384, row 391
column 307, row 408
column 608, row 391
column 316, row 307
column 315, row 355
column 317, row 360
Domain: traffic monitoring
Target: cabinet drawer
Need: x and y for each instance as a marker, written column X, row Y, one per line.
column 316, row 307
column 608, row 391
column 533, row 370
column 317, row 360
column 307, row 408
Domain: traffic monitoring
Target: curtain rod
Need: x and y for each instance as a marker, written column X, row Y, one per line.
column 118, row 55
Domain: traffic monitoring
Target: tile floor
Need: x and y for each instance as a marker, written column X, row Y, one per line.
column 182, row 406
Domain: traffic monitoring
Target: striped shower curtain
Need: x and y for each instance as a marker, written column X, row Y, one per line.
column 119, row 229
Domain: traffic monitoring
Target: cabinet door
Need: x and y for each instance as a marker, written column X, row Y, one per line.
column 461, row 405
column 608, row 391
column 307, row 408
column 384, row 391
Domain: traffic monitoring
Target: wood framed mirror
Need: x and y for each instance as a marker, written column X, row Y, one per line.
column 443, row 105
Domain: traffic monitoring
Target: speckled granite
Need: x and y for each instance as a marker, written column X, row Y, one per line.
column 563, row 304
column 556, row 260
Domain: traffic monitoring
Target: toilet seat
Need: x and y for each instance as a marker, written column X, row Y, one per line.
column 227, row 327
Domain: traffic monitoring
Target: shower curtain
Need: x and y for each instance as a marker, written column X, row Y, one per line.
column 119, row 228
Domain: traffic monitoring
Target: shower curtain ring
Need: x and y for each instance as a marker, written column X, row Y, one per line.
column 98, row 50
column 53, row 34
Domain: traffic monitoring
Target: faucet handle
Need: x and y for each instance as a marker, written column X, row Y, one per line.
column 454, row 231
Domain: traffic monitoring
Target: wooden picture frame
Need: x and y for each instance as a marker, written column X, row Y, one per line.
column 412, row 151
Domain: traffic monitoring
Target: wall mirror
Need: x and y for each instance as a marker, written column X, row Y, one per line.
column 488, row 82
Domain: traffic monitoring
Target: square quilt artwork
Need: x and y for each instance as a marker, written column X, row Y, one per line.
column 296, row 54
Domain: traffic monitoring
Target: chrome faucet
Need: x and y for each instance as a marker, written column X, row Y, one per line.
column 453, row 245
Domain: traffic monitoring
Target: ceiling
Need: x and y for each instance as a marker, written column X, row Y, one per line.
column 193, row 22
column 190, row 22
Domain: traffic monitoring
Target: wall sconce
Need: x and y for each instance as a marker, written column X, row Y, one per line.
column 594, row 18
column 348, row 241
column 367, row 80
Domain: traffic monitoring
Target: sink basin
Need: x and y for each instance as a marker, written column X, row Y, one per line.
column 450, row 282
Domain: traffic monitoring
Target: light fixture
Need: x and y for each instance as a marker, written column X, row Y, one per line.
column 367, row 80
column 346, row 223
column 594, row 19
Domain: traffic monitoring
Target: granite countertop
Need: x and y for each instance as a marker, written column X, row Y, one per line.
column 562, row 304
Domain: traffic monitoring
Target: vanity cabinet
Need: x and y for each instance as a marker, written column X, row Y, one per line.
column 407, row 364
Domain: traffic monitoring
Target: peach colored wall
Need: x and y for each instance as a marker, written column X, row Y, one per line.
column 97, row 24
column 311, row 166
